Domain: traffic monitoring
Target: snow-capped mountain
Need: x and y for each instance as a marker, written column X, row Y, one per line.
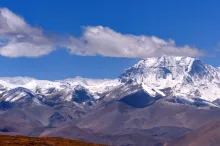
column 94, row 85
column 185, row 77
column 78, row 90
column 19, row 97
column 188, row 77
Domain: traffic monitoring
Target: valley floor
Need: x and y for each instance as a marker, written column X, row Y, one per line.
column 43, row 141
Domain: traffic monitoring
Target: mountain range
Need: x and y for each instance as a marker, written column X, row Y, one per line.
column 158, row 101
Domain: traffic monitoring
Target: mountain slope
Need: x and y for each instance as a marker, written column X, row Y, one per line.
column 207, row 135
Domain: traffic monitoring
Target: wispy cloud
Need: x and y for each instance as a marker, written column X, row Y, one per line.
column 22, row 39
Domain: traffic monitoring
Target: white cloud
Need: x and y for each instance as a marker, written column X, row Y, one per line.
column 107, row 42
column 22, row 38
column 18, row 39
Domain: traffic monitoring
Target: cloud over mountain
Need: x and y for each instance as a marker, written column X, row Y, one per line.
column 20, row 39
column 107, row 42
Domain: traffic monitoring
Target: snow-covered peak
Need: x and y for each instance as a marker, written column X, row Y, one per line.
column 20, row 95
column 185, row 75
column 95, row 86
column 164, row 61
column 165, row 67
column 83, row 81
column 43, row 86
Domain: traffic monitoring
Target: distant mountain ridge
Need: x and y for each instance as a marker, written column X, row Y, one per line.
column 187, row 78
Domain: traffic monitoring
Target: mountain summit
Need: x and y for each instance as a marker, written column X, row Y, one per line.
column 188, row 77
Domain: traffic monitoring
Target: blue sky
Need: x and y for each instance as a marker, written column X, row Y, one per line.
column 194, row 23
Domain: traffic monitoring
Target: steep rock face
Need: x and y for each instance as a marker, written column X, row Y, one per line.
column 82, row 95
column 58, row 118
column 20, row 96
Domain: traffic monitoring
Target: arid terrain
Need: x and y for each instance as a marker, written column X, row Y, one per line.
column 207, row 135
column 43, row 141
